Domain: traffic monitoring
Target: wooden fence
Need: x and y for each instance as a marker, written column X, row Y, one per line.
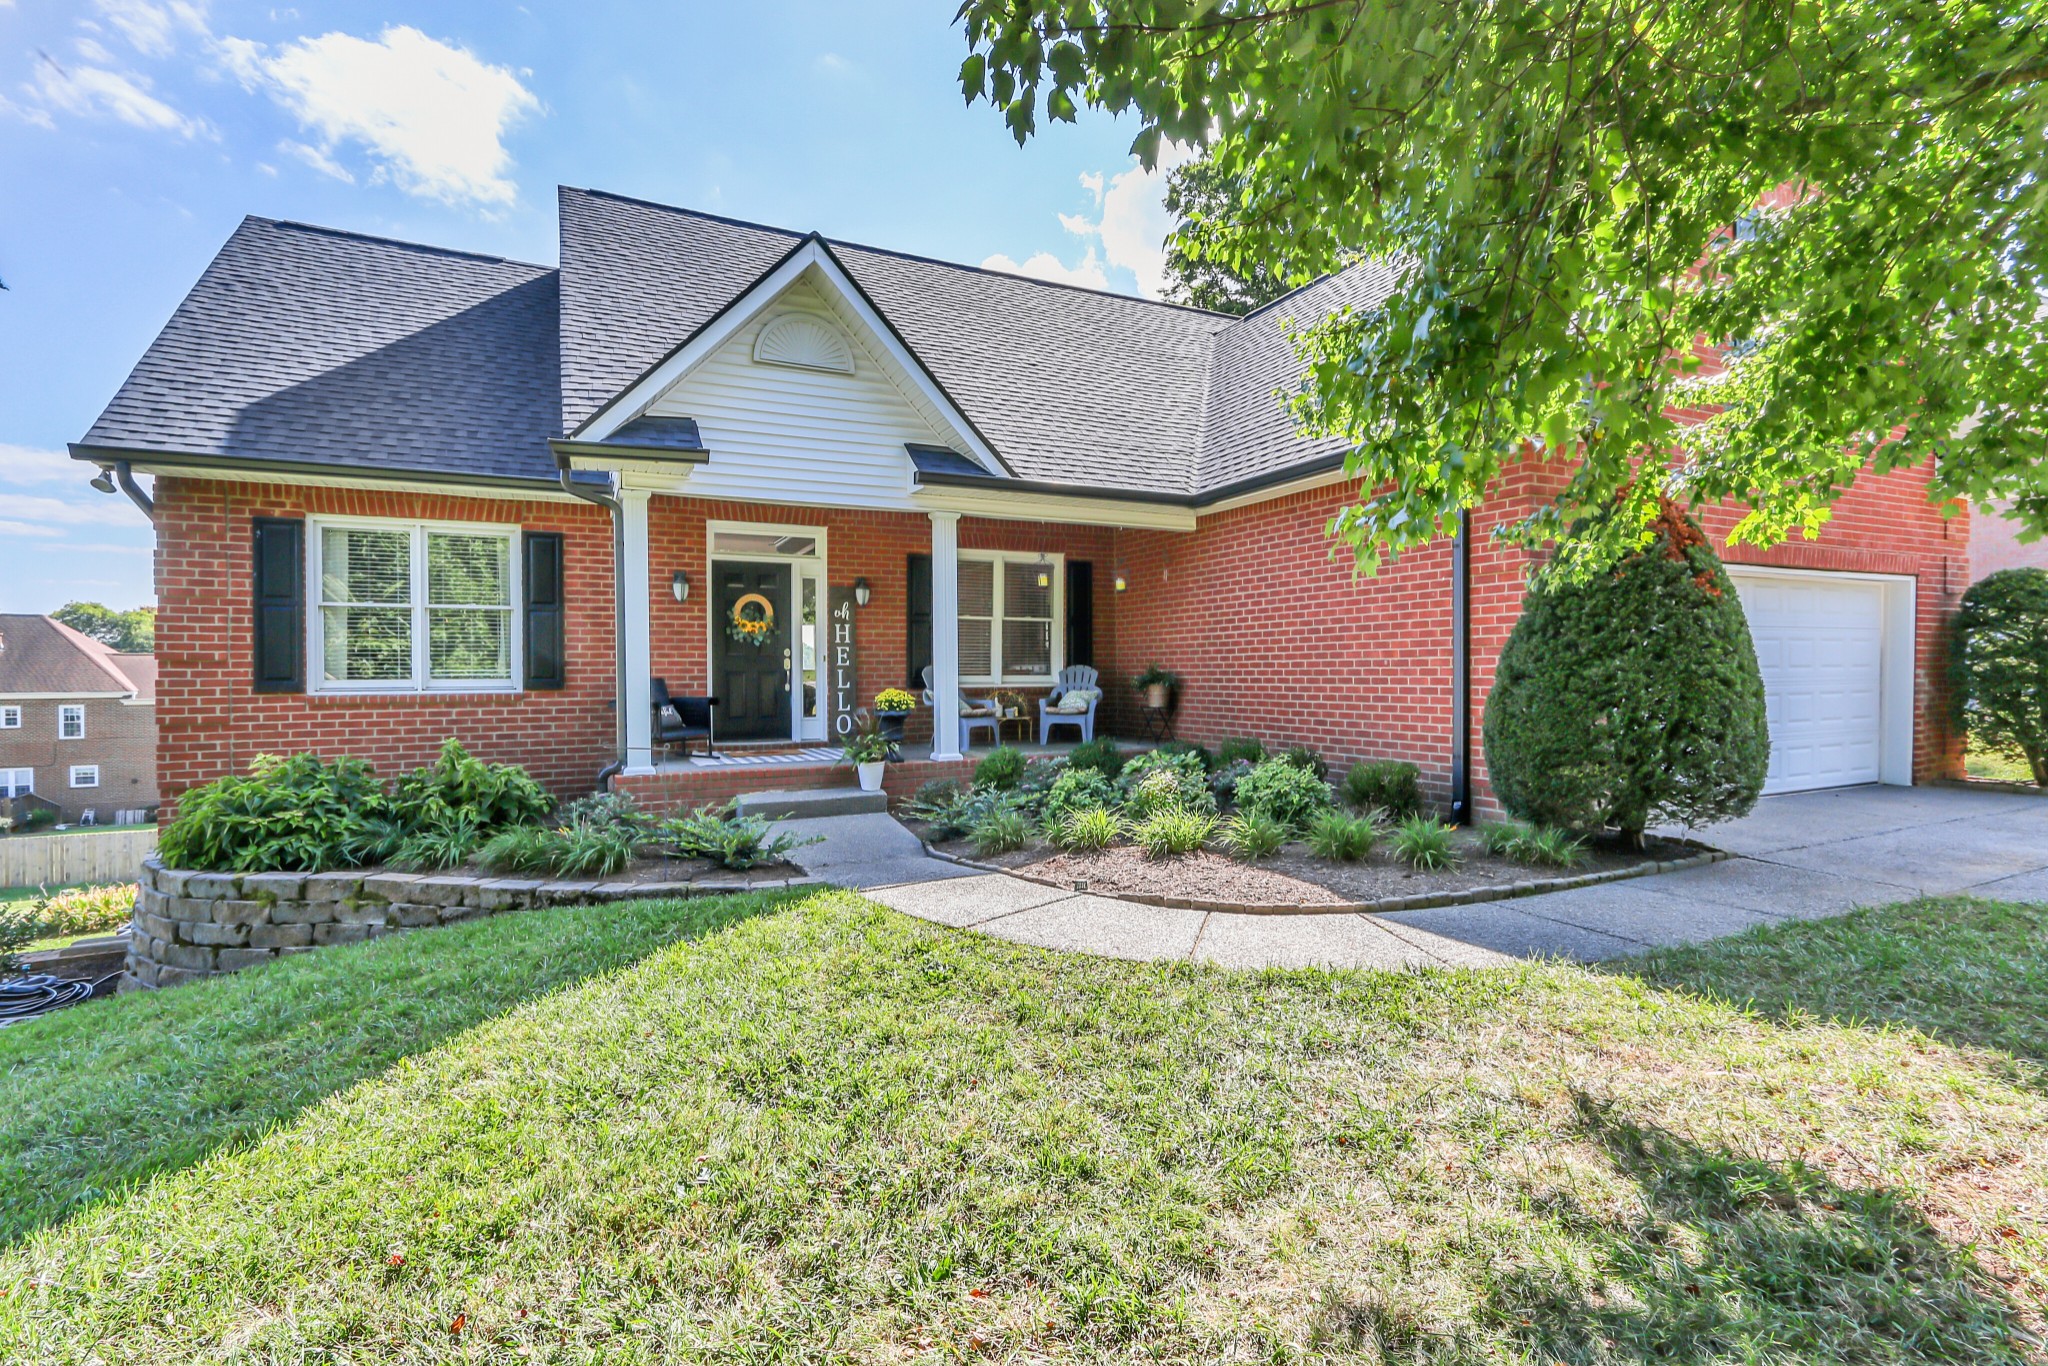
column 112, row 855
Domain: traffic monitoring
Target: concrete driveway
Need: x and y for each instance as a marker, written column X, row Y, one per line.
column 1803, row 856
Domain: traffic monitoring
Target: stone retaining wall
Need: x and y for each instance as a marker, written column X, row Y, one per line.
column 192, row 925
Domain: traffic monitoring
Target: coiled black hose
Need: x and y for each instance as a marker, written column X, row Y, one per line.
column 37, row 993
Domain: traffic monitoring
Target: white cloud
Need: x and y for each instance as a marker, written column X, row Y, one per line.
column 152, row 28
column 1128, row 231
column 100, row 92
column 433, row 116
column 34, row 465
column 317, row 159
column 1046, row 266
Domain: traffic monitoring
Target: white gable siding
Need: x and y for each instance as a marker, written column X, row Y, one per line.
column 794, row 435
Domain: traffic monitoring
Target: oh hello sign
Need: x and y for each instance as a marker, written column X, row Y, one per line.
column 842, row 667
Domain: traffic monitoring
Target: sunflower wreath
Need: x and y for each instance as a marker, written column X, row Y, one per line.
column 751, row 621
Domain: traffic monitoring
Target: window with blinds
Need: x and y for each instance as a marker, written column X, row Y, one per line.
column 413, row 608
column 1008, row 607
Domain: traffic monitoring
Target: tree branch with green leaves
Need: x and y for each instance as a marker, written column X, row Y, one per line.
column 1817, row 223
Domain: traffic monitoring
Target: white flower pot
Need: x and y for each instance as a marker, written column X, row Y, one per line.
column 870, row 775
column 1155, row 696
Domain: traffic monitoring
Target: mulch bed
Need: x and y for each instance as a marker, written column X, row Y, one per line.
column 1293, row 877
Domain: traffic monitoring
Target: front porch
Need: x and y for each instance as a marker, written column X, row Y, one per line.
column 677, row 784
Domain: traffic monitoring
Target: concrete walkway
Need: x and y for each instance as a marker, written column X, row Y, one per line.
column 1803, row 856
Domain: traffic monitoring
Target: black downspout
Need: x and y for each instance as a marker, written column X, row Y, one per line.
column 125, row 476
column 611, row 505
column 1461, row 672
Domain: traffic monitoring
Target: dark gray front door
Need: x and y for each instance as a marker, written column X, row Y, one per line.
column 751, row 681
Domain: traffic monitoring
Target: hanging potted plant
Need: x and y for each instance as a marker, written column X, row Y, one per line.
column 867, row 749
column 1158, row 685
column 892, row 705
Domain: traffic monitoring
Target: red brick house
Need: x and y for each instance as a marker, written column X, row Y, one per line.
column 77, row 725
column 396, row 485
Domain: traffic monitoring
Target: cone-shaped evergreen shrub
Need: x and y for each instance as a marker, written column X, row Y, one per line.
column 1998, row 666
column 1631, row 697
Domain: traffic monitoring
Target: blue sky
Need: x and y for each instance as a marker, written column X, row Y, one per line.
column 134, row 134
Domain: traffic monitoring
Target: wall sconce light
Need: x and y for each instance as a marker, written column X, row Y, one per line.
column 679, row 584
column 860, row 592
column 1121, row 583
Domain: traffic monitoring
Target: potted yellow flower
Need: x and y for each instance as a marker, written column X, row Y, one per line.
column 892, row 705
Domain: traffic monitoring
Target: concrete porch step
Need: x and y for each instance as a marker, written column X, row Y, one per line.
column 821, row 801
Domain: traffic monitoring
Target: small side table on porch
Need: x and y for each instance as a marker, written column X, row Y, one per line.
column 1156, row 722
column 1021, row 721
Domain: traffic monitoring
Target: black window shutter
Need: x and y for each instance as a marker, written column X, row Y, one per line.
column 1080, row 612
column 545, row 667
column 279, row 653
column 918, row 627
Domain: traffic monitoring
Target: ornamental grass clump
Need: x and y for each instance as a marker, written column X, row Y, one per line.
column 1998, row 666
column 1174, row 830
column 1087, row 831
column 999, row 831
column 1341, row 838
column 1425, row 843
column 1077, row 789
column 445, row 842
column 1290, row 794
column 1631, row 695
column 1543, row 845
column 1252, row 835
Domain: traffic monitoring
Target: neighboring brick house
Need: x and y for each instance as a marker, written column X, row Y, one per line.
column 1995, row 544
column 77, row 722
column 393, row 483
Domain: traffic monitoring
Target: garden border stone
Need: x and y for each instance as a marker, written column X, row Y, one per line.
column 1385, row 905
column 190, row 925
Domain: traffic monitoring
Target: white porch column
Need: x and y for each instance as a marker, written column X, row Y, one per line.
column 946, row 635
column 638, row 652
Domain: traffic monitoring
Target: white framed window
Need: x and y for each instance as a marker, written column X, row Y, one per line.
column 85, row 775
column 412, row 606
column 1010, row 608
column 10, row 718
column 71, row 721
column 17, row 782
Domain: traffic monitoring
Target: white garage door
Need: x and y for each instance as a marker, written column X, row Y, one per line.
column 1820, row 642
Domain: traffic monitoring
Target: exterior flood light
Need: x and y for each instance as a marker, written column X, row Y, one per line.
column 104, row 481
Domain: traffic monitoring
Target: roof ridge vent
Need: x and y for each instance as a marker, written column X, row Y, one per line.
column 806, row 342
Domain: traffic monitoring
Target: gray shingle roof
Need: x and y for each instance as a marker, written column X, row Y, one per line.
column 301, row 345
column 308, row 346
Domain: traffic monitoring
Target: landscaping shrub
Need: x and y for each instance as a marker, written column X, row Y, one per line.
column 1631, row 696
column 1251, row 835
column 730, row 839
column 605, row 809
column 1001, row 769
column 1223, row 782
column 1425, row 842
column 1341, row 838
column 1242, row 749
column 1306, row 759
column 1077, row 789
column 14, row 937
column 1389, row 785
column 1092, row 829
column 999, row 831
column 80, row 910
column 1039, row 776
column 1289, row 794
column 1544, row 845
column 299, row 814
column 1200, row 752
column 493, row 796
column 1998, row 666
column 1174, row 830
column 1159, row 779
column 1101, row 755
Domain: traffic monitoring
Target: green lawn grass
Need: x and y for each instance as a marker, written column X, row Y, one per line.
column 692, row 1131
column 1982, row 763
